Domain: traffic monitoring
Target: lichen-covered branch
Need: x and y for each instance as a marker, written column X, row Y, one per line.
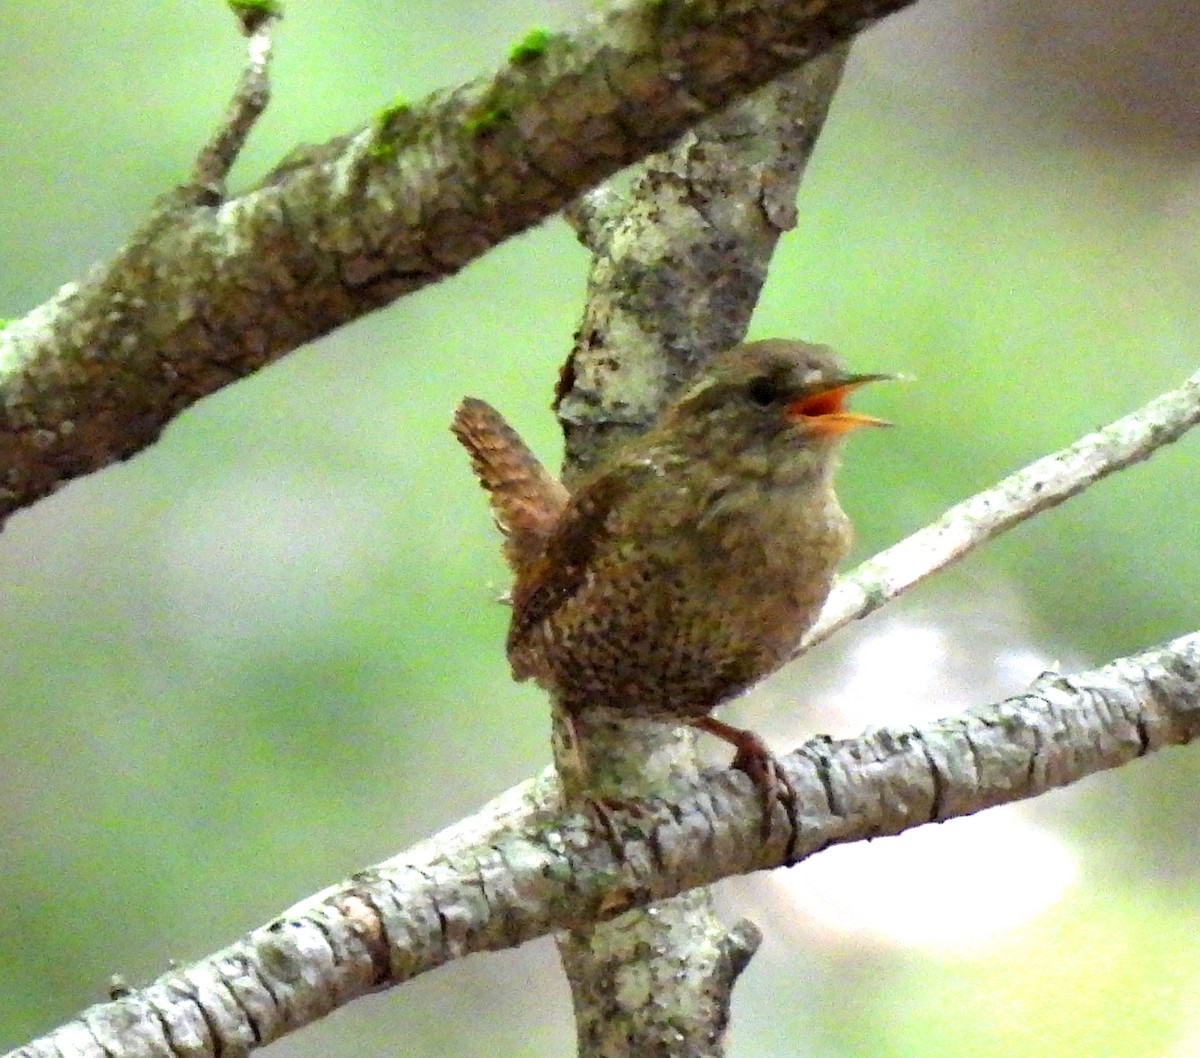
column 679, row 264
column 519, row 870
column 1035, row 488
column 681, row 259
column 206, row 293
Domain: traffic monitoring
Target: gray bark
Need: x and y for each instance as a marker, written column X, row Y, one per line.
column 520, row 869
column 679, row 263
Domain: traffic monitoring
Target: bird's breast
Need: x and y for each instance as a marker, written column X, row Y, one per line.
column 775, row 551
column 679, row 611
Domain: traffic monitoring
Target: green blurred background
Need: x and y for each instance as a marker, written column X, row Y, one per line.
column 264, row 653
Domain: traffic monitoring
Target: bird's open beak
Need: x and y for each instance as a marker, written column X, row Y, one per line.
column 826, row 412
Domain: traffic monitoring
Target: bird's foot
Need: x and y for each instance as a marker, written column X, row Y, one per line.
column 578, row 782
column 757, row 761
column 603, row 809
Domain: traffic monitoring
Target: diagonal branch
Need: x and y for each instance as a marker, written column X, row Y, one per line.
column 1041, row 485
column 679, row 262
column 517, row 871
column 206, row 294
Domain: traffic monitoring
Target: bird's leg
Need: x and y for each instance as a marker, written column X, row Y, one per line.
column 756, row 760
column 570, row 753
column 576, row 776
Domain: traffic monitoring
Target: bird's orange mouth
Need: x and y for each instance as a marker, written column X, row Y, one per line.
column 826, row 412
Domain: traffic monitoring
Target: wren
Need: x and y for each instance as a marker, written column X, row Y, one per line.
column 690, row 562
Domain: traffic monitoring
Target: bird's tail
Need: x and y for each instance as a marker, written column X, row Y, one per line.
column 526, row 499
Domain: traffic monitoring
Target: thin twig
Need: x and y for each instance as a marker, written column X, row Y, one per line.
column 250, row 99
column 1039, row 486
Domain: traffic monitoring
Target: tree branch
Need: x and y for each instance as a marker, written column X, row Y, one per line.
column 679, row 264
column 250, row 99
column 1041, row 485
column 96, row 373
column 518, row 871
column 205, row 293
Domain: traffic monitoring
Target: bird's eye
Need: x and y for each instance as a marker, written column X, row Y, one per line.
column 763, row 391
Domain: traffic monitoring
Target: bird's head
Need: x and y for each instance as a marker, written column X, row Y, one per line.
column 776, row 400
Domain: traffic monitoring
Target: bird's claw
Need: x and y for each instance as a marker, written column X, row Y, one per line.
column 603, row 808
column 755, row 760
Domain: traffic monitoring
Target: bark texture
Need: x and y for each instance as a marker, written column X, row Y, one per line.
column 520, row 869
column 679, row 263
column 211, row 289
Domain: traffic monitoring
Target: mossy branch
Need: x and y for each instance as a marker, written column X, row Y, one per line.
column 211, row 289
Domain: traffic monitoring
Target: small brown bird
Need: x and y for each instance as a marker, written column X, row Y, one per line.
column 689, row 563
